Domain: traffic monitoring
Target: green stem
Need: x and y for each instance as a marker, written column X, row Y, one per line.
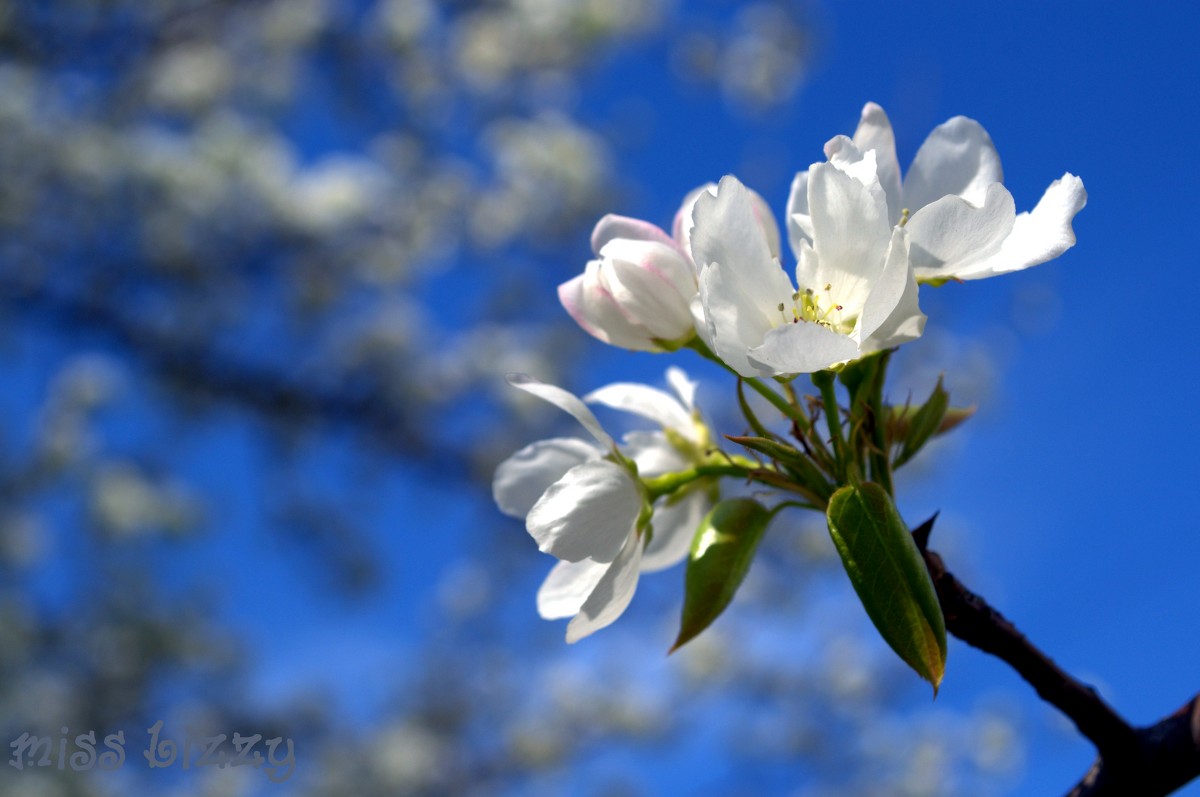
column 823, row 381
column 789, row 411
column 782, row 505
column 790, row 390
column 717, row 466
column 751, row 418
column 881, row 466
column 668, row 483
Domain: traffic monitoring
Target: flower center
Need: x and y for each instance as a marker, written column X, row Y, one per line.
column 816, row 307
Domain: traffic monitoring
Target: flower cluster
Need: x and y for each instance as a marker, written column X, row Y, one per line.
column 863, row 240
column 861, row 237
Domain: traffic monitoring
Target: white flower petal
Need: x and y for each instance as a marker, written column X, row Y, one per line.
column 666, row 261
column 844, row 154
column 851, row 229
column 739, row 280
column 674, row 526
column 570, row 295
column 766, row 220
column 684, row 387
column 653, row 284
column 612, row 593
column 892, row 315
column 587, row 514
column 652, row 453
column 613, row 227
column 681, row 229
column 521, row 479
column 1037, row 236
column 566, row 588
column 593, row 307
column 950, row 235
column 958, row 158
column 728, row 231
column 874, row 133
column 565, row 401
column 646, row 401
column 735, row 321
column 802, row 348
column 685, row 219
column 700, row 322
column 808, row 270
column 799, row 222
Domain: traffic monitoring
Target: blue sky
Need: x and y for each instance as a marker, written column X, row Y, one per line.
column 1076, row 488
column 1073, row 487
column 1070, row 494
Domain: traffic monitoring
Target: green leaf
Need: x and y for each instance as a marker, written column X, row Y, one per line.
column 890, row 577
column 860, row 376
column 799, row 466
column 721, row 553
column 924, row 424
column 900, row 418
column 868, row 441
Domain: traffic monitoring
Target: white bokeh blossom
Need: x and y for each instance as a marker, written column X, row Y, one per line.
column 961, row 220
column 855, row 290
column 583, row 501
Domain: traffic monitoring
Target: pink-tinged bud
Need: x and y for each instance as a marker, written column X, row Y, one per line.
column 613, row 227
column 637, row 295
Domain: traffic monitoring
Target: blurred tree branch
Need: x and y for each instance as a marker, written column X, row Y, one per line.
column 202, row 370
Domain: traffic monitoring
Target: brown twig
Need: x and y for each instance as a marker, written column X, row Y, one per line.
column 1146, row 762
column 1165, row 757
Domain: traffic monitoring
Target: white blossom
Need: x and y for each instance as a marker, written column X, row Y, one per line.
column 855, row 291
column 585, row 505
column 962, row 221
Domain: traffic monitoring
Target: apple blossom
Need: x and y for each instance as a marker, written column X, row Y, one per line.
column 637, row 293
column 683, row 441
column 584, row 503
column 961, row 220
column 855, row 291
